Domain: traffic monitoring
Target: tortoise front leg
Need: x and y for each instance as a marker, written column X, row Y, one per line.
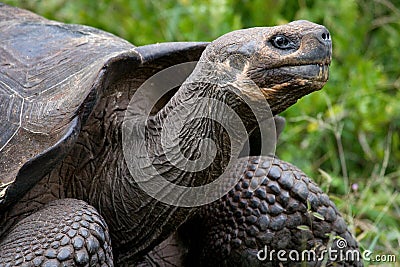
column 65, row 232
column 283, row 211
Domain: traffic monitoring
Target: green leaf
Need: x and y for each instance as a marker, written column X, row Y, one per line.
column 303, row 227
column 318, row 216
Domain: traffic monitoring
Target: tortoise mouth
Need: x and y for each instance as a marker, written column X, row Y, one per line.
column 291, row 75
column 317, row 71
column 283, row 86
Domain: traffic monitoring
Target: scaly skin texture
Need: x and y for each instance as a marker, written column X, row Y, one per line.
column 246, row 220
column 94, row 168
column 66, row 232
column 231, row 231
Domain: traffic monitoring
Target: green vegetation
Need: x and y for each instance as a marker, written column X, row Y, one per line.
column 347, row 136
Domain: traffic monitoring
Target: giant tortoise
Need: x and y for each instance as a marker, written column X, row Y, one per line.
column 68, row 196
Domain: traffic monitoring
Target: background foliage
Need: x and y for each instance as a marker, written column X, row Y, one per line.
column 346, row 136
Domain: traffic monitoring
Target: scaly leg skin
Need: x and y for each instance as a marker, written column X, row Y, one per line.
column 65, row 232
column 231, row 231
column 281, row 214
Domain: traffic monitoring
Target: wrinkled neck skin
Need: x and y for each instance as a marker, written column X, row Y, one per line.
column 199, row 128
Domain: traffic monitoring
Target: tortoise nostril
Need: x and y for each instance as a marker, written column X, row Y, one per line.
column 325, row 36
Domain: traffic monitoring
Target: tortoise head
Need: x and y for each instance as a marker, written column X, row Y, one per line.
column 286, row 62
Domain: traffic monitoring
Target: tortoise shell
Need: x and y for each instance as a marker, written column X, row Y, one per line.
column 52, row 75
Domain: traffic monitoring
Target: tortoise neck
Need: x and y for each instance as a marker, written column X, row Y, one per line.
column 194, row 136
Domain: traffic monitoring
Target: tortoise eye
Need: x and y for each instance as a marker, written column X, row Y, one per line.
column 282, row 42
